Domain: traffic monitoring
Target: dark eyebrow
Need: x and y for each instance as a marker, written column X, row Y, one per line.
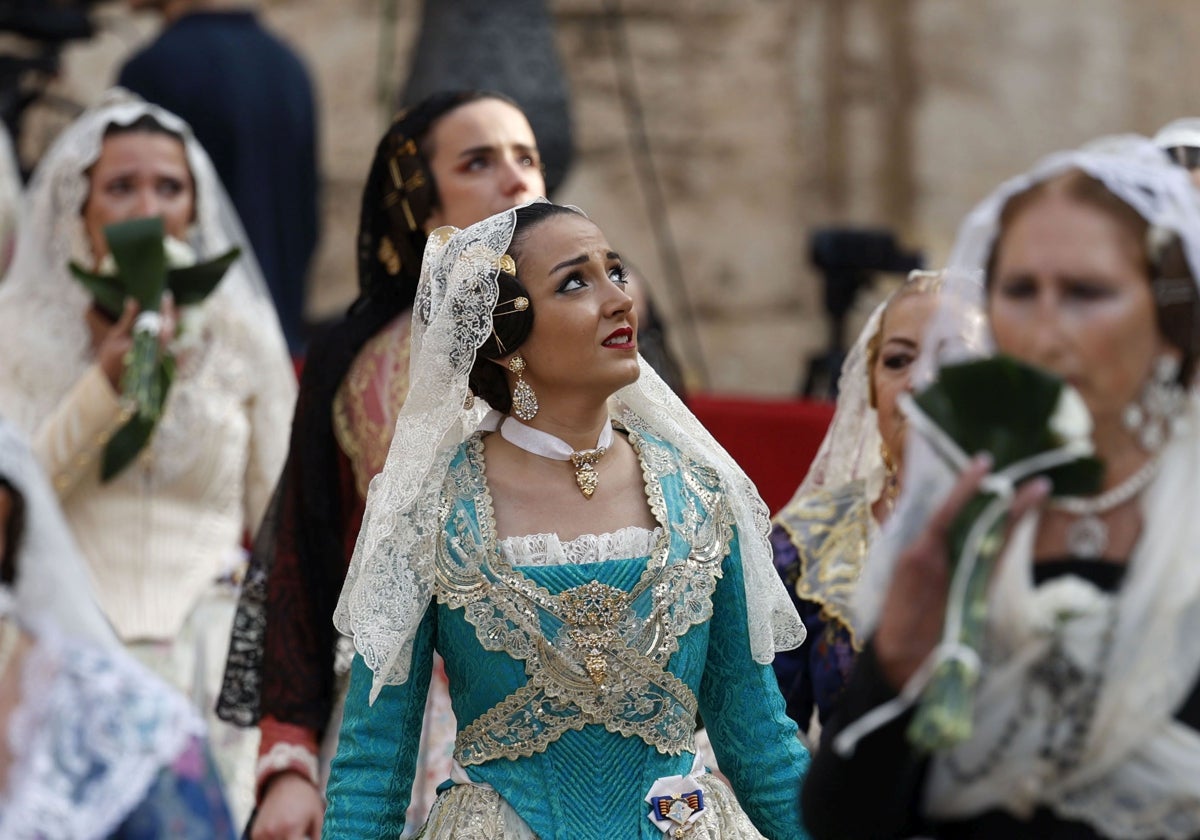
column 580, row 260
column 583, row 258
column 477, row 150
column 488, row 150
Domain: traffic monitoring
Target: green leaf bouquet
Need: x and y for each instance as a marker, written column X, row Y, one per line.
column 1032, row 424
column 143, row 267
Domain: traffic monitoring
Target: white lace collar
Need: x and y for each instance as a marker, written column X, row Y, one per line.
column 548, row 550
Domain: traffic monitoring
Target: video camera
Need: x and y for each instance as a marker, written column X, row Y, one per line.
column 847, row 259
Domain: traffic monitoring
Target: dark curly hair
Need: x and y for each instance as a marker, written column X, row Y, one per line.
column 510, row 325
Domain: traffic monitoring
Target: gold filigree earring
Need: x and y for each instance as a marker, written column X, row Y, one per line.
column 524, row 400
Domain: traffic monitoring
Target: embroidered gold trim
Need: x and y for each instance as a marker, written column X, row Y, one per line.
column 606, row 662
column 831, row 533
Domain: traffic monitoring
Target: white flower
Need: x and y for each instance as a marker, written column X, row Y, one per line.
column 1071, row 421
column 179, row 254
column 1063, row 599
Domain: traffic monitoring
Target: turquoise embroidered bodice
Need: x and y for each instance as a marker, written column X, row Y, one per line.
column 576, row 686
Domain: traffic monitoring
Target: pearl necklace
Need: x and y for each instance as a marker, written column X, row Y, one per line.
column 1088, row 535
column 548, row 446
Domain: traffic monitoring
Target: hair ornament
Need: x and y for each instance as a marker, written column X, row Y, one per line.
column 1171, row 291
column 388, row 256
column 519, row 304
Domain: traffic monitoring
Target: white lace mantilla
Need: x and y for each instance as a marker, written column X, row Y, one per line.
column 89, row 736
column 549, row 550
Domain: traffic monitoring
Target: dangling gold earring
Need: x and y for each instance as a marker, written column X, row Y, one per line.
column 891, row 477
column 525, row 404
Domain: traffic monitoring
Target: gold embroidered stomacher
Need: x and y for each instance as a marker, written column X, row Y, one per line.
column 594, row 653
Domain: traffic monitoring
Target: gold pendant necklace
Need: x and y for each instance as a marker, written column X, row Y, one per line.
column 548, row 446
column 585, row 469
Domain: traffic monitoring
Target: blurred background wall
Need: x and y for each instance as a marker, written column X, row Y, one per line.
column 752, row 122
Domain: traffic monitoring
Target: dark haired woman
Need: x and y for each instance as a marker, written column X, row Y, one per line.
column 163, row 536
column 591, row 565
column 455, row 158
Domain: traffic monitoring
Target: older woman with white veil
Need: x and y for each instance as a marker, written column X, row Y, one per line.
column 162, row 537
column 1087, row 711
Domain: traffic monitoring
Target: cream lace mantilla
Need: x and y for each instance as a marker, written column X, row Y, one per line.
column 594, row 654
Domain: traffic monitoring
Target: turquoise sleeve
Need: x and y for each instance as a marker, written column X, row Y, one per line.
column 370, row 783
column 756, row 743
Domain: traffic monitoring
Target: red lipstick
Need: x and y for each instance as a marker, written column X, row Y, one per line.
column 620, row 339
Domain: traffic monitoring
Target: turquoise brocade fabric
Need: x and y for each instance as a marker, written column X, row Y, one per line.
column 590, row 782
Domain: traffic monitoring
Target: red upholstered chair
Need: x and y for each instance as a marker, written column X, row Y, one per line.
column 774, row 441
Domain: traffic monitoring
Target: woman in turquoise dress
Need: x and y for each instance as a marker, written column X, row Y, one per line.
column 591, row 565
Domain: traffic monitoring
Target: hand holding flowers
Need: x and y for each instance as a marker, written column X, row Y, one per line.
column 1030, row 424
column 136, row 286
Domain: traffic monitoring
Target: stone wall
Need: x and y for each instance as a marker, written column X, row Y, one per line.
column 760, row 119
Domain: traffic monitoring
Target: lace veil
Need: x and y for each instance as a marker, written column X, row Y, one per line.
column 1137, row 768
column 93, row 728
column 10, row 198
column 1183, row 132
column 390, row 581
column 53, row 583
column 43, row 336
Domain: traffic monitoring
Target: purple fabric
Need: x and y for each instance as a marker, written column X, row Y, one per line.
column 814, row 674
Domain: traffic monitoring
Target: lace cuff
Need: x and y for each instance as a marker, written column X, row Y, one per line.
column 284, row 747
